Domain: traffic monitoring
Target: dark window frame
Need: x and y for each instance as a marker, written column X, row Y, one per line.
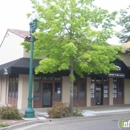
column 118, row 82
column 77, row 87
column 13, row 86
column 99, row 80
column 41, row 79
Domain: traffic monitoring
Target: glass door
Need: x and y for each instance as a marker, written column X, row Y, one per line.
column 47, row 94
column 99, row 94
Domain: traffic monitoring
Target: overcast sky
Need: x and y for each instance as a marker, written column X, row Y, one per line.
column 13, row 13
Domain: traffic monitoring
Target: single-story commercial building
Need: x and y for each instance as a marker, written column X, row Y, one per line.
column 91, row 90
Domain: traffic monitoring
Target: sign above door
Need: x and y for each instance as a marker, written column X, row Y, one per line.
column 116, row 75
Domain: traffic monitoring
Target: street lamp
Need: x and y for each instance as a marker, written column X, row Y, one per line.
column 29, row 112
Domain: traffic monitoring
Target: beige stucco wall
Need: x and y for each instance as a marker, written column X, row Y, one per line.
column 127, row 91
column 0, row 87
column 23, row 91
column 65, row 89
column 88, row 90
column 4, row 89
column 26, row 54
column 10, row 48
column 125, row 58
column 110, row 91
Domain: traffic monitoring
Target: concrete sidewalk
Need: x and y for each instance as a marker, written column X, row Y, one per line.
column 91, row 111
column 105, row 110
column 41, row 114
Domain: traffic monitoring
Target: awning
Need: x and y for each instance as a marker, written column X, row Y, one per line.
column 19, row 66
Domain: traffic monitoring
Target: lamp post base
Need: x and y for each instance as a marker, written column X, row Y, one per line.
column 29, row 113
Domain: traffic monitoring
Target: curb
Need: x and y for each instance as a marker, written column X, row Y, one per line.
column 24, row 124
column 59, row 119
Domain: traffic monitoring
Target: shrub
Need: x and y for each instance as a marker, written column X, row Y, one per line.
column 77, row 111
column 58, row 110
column 9, row 112
column 4, row 124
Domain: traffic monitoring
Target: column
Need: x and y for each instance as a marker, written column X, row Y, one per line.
column 88, row 88
column 65, row 89
column 0, row 87
column 126, row 91
column 23, row 84
column 110, row 91
column 5, row 86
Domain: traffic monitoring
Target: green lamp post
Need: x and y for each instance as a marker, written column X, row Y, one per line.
column 29, row 112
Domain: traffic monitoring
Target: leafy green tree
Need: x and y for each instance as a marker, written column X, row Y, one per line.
column 72, row 35
column 124, row 21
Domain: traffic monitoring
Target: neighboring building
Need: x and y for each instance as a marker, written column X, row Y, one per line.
column 89, row 91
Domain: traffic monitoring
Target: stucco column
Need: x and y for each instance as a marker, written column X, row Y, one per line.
column 5, row 86
column 126, row 91
column 22, row 91
column 110, row 91
column 0, row 87
column 88, row 88
column 65, row 89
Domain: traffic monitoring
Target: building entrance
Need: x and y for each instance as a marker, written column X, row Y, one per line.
column 47, row 94
column 99, row 94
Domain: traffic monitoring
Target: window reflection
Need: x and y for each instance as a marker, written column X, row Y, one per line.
column 13, row 86
column 57, row 95
column 105, row 90
column 36, row 90
column 75, row 91
column 99, row 80
column 118, row 88
column 37, row 77
column 92, row 90
column 120, row 91
column 82, row 91
column 57, row 78
column 47, row 78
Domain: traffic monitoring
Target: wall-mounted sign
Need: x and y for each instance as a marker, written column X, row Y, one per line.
column 5, row 71
column 118, row 67
column 116, row 75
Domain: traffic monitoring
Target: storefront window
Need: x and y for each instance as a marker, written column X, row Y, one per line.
column 57, row 95
column 99, row 80
column 92, row 90
column 47, row 78
column 37, row 77
column 120, row 91
column 75, row 91
column 9, row 93
column 57, row 78
column 37, row 90
column 105, row 79
column 117, row 88
column 82, row 91
column 79, row 90
column 114, row 91
column 16, row 90
column 13, row 86
column 105, row 90
column 92, row 80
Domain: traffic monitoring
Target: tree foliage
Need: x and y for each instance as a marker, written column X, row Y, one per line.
column 124, row 21
column 72, row 35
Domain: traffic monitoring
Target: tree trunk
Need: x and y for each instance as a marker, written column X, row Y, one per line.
column 71, row 86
